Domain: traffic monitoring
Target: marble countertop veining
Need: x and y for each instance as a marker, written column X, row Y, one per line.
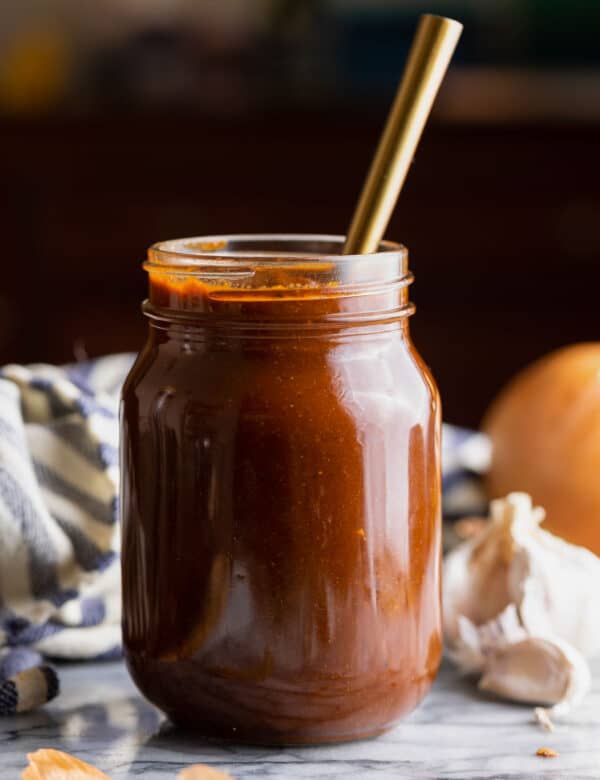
column 457, row 733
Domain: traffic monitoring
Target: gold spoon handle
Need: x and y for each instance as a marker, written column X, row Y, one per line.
column 428, row 60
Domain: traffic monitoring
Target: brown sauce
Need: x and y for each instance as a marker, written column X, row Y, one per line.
column 280, row 505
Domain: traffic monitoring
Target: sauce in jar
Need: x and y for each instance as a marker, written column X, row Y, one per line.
column 280, row 492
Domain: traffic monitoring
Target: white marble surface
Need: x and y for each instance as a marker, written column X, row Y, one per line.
column 456, row 733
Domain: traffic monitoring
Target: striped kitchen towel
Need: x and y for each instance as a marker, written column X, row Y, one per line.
column 465, row 458
column 59, row 542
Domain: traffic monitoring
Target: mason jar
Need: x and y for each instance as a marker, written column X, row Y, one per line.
column 280, row 491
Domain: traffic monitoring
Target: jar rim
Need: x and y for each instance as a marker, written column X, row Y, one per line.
column 220, row 251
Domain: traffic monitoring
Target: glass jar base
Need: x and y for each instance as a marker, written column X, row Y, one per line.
column 225, row 712
column 208, row 733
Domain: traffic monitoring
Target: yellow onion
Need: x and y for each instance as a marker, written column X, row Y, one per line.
column 545, row 433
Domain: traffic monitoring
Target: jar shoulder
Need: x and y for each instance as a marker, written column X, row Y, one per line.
column 392, row 369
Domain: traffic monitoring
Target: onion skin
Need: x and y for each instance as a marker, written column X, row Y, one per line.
column 545, row 432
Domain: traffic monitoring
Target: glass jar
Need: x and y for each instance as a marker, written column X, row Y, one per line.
column 280, row 492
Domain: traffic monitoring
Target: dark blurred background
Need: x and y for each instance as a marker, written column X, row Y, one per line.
column 129, row 121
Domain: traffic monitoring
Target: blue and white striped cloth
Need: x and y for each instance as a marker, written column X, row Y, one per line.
column 465, row 458
column 59, row 541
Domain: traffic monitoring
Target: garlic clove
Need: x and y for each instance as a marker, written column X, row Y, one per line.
column 475, row 645
column 479, row 576
column 538, row 671
column 520, row 667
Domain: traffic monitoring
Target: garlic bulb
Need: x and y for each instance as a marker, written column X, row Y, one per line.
column 519, row 608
